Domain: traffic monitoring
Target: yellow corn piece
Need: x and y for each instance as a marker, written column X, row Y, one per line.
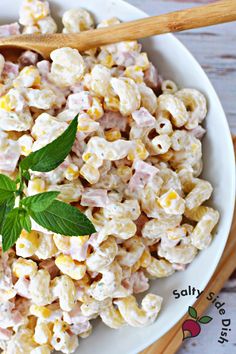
column 134, row 72
column 145, row 259
column 5, row 103
column 139, row 152
column 112, row 135
column 40, row 311
column 112, row 104
column 95, row 111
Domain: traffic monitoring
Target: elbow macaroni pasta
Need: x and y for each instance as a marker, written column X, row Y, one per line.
column 134, row 170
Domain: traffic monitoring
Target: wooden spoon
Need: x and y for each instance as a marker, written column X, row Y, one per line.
column 202, row 16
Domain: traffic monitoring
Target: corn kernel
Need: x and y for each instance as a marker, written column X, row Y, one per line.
column 24, row 267
column 145, row 259
column 96, row 110
column 27, row 244
column 139, row 152
column 72, row 172
column 112, row 104
column 5, row 103
column 134, row 72
column 107, row 61
column 112, row 134
column 40, row 311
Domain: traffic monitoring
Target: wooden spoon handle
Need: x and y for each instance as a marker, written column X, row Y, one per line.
column 207, row 15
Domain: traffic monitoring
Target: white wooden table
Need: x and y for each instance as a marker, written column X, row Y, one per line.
column 215, row 49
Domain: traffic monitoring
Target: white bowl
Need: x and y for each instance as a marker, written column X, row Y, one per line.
column 175, row 62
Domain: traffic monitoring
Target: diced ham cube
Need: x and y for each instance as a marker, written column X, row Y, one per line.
column 151, row 77
column 5, row 334
column 144, row 173
column 28, row 58
column 113, row 120
column 143, row 118
column 10, row 70
column 44, row 67
column 198, row 132
column 94, row 198
column 10, row 30
column 80, row 101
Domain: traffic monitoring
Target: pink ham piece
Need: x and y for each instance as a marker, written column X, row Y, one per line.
column 151, row 77
column 44, row 67
column 75, row 316
column 9, row 156
column 5, row 334
column 10, row 30
column 50, row 266
column 136, row 283
column 94, row 198
column 178, row 266
column 10, row 70
column 198, row 132
column 28, row 58
column 113, row 120
column 77, row 87
column 144, row 173
column 80, row 101
column 143, row 118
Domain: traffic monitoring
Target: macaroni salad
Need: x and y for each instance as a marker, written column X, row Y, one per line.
column 133, row 170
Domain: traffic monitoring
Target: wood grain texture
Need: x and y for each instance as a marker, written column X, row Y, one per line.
column 201, row 16
column 214, row 48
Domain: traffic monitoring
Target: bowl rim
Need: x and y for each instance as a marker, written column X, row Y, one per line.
column 232, row 203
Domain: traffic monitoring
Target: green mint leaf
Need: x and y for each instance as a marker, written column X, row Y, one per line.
column 11, row 229
column 26, row 175
column 192, row 312
column 25, row 221
column 39, row 202
column 205, row 319
column 7, row 184
column 5, row 207
column 7, row 188
column 64, row 219
column 53, row 154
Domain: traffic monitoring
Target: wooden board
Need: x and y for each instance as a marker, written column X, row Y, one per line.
column 172, row 340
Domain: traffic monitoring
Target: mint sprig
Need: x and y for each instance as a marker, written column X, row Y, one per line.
column 53, row 154
column 44, row 208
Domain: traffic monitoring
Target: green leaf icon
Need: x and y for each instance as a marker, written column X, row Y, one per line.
column 192, row 312
column 205, row 319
